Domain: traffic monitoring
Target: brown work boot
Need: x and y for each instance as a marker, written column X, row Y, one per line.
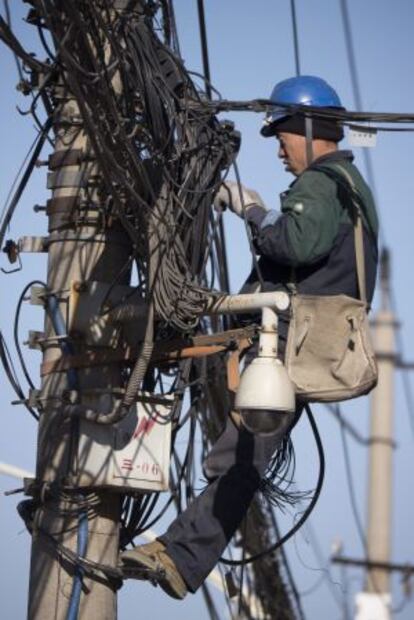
column 153, row 557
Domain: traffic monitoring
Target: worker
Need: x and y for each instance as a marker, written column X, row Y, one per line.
column 313, row 234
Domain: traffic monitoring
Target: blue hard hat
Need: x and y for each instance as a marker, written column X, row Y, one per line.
column 306, row 90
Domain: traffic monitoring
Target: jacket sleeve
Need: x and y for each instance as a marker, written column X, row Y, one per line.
column 306, row 228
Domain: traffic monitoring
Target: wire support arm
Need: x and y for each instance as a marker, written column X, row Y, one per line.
column 407, row 569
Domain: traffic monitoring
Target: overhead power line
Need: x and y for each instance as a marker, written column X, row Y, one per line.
column 295, row 37
column 352, row 431
column 8, row 20
column 351, row 488
column 357, row 95
column 344, row 116
column 207, row 80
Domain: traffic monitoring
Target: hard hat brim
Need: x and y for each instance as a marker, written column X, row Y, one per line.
column 269, row 129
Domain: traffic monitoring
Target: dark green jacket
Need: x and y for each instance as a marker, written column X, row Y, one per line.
column 314, row 233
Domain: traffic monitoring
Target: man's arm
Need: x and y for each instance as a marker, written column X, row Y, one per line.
column 304, row 232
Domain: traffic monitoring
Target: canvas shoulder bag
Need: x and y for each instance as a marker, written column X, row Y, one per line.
column 329, row 354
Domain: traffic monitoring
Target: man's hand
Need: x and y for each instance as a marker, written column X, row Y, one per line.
column 237, row 198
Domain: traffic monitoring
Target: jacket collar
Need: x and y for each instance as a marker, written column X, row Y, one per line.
column 332, row 157
column 341, row 155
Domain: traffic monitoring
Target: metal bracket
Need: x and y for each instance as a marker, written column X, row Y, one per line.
column 32, row 244
column 72, row 178
column 233, row 371
column 164, row 353
column 37, row 295
column 36, row 340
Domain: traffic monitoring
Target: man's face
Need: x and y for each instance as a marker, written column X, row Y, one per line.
column 292, row 151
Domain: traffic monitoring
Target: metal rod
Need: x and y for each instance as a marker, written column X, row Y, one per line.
column 250, row 302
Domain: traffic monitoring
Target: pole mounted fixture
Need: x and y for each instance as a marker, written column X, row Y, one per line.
column 266, row 392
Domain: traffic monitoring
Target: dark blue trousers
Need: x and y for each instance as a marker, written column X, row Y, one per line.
column 234, row 468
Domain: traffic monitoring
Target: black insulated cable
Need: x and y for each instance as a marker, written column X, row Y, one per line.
column 295, row 37
column 29, row 169
column 306, row 514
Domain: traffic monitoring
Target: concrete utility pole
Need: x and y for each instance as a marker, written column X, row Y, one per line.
column 82, row 247
column 375, row 602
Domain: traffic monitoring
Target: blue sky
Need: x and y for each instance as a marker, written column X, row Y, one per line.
column 251, row 48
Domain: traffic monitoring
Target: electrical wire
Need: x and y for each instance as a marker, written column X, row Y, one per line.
column 16, row 178
column 16, row 329
column 242, row 571
column 8, row 20
column 353, row 432
column 225, row 280
column 407, row 388
column 288, row 570
column 9, row 211
column 204, row 47
column 357, row 91
column 324, row 568
column 337, row 114
column 351, row 490
column 209, row 602
column 306, row 514
column 7, row 36
column 295, row 37
column 10, row 371
column 248, row 231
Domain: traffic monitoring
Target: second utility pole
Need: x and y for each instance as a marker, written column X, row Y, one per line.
column 375, row 602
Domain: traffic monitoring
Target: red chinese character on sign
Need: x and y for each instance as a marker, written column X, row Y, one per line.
column 127, row 464
column 145, row 426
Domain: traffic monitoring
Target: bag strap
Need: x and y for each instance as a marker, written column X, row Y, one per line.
column 358, row 228
column 358, row 235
